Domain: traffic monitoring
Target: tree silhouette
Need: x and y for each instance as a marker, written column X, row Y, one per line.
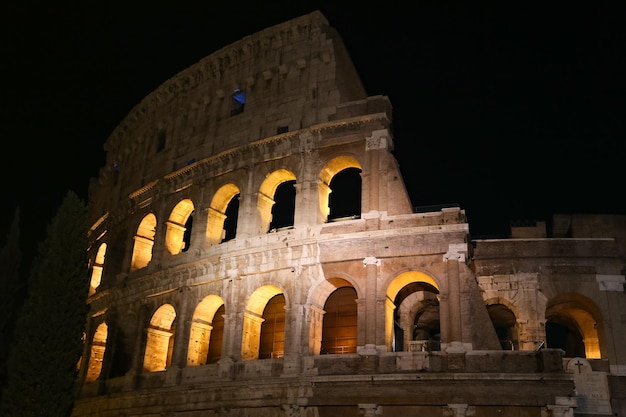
column 42, row 365
column 12, row 291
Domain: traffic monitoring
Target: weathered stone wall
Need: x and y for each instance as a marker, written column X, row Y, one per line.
column 168, row 279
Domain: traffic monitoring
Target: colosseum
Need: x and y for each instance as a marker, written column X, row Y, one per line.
column 254, row 252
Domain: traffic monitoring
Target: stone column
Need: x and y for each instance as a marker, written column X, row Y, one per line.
column 374, row 145
column 251, row 335
column 371, row 276
column 181, row 338
column 214, row 226
column 248, row 217
column 307, row 203
column 612, row 288
column 455, row 254
column 315, row 322
column 293, row 330
column 139, row 349
column 531, row 334
column 232, row 324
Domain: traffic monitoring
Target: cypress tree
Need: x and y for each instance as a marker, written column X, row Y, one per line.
column 42, row 366
column 11, row 295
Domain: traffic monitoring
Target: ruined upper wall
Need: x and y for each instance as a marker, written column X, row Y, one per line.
column 294, row 75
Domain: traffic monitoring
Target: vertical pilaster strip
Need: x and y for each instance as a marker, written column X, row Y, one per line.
column 371, row 264
column 452, row 259
column 181, row 338
column 373, row 145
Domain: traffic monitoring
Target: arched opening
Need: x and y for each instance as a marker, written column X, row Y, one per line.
column 416, row 320
column 254, row 317
column 187, row 233
column 504, row 321
column 144, row 241
column 122, row 345
column 273, row 329
column 98, row 347
column 232, row 216
column 217, row 336
column 339, row 327
column 207, row 327
column 564, row 334
column 160, row 339
column 178, row 233
column 284, row 206
column 426, row 332
column 412, row 316
column 223, row 215
column 96, row 269
column 344, row 201
column 571, row 325
column 277, row 190
column 344, row 188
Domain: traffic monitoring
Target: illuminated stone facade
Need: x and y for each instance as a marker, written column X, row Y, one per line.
column 254, row 252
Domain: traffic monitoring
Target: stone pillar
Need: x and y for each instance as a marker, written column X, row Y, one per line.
column 531, row 334
column 139, row 349
column 214, row 227
column 248, row 217
column 264, row 213
column 452, row 258
column 371, row 276
column 373, row 185
column 198, row 350
column 612, row 287
column 294, row 323
column 233, row 320
column 251, row 335
column 174, row 238
column 307, row 200
column 198, row 230
column 375, row 179
column 181, row 338
column 387, row 309
column 315, row 321
column 444, row 318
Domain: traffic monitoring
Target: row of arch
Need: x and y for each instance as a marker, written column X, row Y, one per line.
column 339, row 193
column 570, row 325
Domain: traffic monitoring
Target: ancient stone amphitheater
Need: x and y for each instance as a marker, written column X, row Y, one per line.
column 254, row 252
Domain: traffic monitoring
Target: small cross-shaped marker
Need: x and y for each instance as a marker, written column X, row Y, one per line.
column 579, row 365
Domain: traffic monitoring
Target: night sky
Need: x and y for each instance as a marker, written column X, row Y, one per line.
column 511, row 111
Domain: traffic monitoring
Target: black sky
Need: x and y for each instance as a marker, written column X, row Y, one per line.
column 511, row 111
